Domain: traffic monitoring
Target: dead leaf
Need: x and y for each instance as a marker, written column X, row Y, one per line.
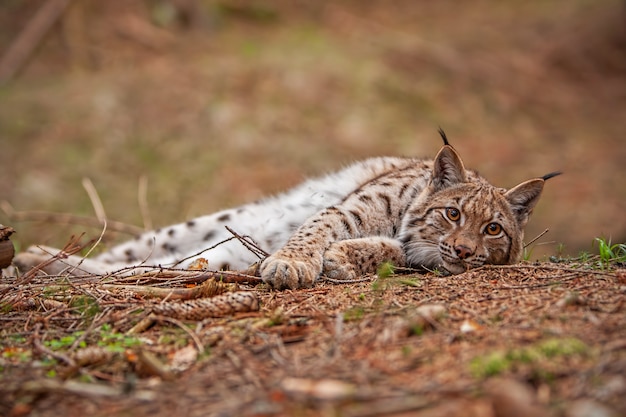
column 469, row 326
column 183, row 358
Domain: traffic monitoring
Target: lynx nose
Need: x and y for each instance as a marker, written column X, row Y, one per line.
column 463, row 252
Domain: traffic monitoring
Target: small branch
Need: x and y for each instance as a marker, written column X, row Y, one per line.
column 536, row 239
column 540, row 267
column 345, row 281
column 186, row 276
column 186, row 329
column 88, row 390
column 233, row 277
column 63, row 218
column 142, row 197
column 249, row 244
column 31, row 36
column 95, row 199
column 42, row 349
column 151, row 365
column 72, row 247
column 142, row 325
column 553, row 280
column 203, row 250
column 246, row 241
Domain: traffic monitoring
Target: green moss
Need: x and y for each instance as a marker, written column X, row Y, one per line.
column 354, row 313
column 114, row 341
column 541, row 358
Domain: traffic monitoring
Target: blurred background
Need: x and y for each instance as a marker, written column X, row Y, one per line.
column 176, row 108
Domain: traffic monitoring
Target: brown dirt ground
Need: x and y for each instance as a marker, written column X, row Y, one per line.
column 542, row 339
column 269, row 95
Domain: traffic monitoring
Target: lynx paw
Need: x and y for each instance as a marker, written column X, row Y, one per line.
column 349, row 259
column 282, row 272
column 338, row 265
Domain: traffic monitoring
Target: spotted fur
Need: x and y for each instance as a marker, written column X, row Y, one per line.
column 416, row 213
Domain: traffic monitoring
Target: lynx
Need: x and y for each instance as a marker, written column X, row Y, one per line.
column 423, row 214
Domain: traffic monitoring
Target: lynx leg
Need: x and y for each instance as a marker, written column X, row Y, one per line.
column 349, row 259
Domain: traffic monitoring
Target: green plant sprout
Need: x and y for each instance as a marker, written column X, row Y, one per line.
column 610, row 253
column 107, row 338
column 116, row 342
column 385, row 270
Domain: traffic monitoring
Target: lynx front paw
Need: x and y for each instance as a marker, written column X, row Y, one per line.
column 350, row 259
column 338, row 265
column 282, row 273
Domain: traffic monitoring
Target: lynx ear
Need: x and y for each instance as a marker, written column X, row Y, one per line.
column 448, row 169
column 523, row 199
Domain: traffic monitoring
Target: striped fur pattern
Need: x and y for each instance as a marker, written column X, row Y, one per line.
column 420, row 214
column 428, row 214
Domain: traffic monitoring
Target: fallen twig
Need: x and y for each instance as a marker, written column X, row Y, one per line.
column 42, row 349
column 249, row 244
column 519, row 267
column 346, row 281
column 72, row 247
column 82, row 388
column 188, row 277
column 142, row 198
column 31, row 36
column 186, row 329
column 539, row 236
column 64, row 218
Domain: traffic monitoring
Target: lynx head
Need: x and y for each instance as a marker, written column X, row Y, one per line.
column 460, row 221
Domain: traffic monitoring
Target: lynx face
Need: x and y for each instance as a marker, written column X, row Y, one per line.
column 461, row 222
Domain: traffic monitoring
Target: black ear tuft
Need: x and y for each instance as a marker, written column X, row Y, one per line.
column 551, row 175
column 443, row 136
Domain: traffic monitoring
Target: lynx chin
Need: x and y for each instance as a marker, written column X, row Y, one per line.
column 424, row 214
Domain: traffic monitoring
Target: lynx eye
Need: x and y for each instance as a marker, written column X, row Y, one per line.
column 453, row 214
column 493, row 229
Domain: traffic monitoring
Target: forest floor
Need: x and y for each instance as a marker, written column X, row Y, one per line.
column 546, row 339
column 127, row 96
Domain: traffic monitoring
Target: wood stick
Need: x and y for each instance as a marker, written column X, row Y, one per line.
column 31, row 36
column 64, row 218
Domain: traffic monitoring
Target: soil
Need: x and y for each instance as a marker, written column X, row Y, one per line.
column 542, row 339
